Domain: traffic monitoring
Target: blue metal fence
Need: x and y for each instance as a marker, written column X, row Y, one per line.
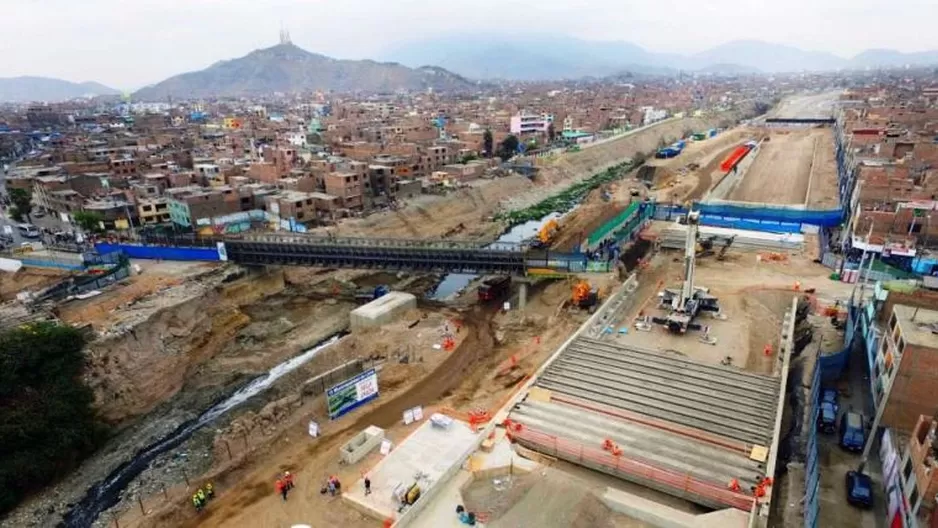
column 161, row 252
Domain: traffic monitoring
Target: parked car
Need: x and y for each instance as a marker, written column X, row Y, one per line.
column 859, row 489
column 827, row 415
column 38, row 213
column 852, row 432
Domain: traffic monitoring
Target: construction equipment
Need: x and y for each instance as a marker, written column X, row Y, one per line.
column 584, row 296
column 494, row 288
column 726, row 246
column 685, row 304
column 546, row 234
column 370, row 295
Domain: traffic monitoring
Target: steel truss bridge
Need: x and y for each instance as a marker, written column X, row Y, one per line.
column 444, row 256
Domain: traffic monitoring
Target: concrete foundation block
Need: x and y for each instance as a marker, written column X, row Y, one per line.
column 382, row 310
column 361, row 444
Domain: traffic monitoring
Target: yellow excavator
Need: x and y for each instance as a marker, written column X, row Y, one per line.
column 584, row 296
column 547, row 234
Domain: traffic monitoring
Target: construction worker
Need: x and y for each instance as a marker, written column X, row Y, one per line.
column 282, row 489
column 196, row 502
column 209, row 490
column 367, row 486
column 288, row 480
column 201, row 495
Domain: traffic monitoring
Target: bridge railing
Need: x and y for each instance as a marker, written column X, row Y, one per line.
column 320, row 240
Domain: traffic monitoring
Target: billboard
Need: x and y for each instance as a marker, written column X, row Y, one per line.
column 351, row 393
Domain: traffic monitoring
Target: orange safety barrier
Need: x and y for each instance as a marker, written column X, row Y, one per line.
column 579, row 453
column 734, row 158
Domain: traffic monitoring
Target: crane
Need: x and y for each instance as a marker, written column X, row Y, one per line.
column 685, row 304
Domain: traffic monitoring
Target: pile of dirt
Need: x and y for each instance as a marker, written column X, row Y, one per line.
column 27, row 279
column 545, row 497
column 598, row 208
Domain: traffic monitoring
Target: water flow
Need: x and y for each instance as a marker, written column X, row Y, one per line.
column 106, row 493
column 454, row 283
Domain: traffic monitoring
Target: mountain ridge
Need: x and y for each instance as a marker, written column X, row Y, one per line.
column 290, row 69
column 30, row 88
column 543, row 57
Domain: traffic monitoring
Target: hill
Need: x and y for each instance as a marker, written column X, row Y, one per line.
column 45, row 89
column 540, row 57
column 290, row 69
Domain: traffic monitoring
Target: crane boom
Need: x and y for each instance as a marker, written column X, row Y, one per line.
column 690, row 252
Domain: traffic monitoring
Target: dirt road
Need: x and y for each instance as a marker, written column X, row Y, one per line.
column 823, row 193
column 780, row 173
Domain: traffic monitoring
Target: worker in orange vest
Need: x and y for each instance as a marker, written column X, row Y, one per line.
column 282, row 489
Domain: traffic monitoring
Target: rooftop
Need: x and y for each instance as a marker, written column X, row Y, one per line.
column 919, row 325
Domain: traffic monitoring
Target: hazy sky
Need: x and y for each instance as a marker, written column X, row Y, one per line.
column 130, row 43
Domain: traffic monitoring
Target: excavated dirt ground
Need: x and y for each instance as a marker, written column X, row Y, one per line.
column 168, row 350
column 754, row 295
column 784, row 170
column 463, row 380
column 466, row 213
column 545, row 497
column 679, row 183
column 27, row 279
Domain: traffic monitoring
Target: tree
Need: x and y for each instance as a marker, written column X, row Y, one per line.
column 89, row 221
column 47, row 424
column 488, row 143
column 23, row 201
column 551, row 132
column 508, row 148
column 15, row 214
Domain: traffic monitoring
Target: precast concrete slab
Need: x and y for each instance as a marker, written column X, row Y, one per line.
column 428, row 457
column 655, row 418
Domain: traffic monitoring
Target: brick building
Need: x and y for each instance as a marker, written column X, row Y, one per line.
column 905, row 369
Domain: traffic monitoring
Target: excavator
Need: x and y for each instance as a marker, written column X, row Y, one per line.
column 584, row 296
column 546, row 235
column 705, row 246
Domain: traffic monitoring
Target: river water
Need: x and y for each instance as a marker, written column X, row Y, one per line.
column 453, row 283
column 106, row 493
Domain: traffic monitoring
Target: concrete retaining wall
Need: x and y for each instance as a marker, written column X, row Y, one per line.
column 730, row 180
column 361, row 444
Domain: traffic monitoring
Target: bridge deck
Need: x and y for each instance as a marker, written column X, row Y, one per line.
column 445, row 256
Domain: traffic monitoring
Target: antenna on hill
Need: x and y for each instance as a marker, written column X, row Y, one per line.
column 284, row 35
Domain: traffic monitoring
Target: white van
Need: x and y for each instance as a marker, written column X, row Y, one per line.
column 29, row 231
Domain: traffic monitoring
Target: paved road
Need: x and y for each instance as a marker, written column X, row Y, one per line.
column 815, row 105
column 48, row 221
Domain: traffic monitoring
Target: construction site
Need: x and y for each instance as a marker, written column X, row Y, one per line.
column 650, row 393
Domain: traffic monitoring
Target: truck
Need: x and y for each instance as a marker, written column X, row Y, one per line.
column 370, row 295
column 494, row 288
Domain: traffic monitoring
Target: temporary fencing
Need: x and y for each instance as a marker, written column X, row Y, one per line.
column 624, row 226
column 755, row 217
column 162, row 252
column 631, row 469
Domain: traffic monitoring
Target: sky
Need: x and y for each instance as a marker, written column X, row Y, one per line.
column 128, row 44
